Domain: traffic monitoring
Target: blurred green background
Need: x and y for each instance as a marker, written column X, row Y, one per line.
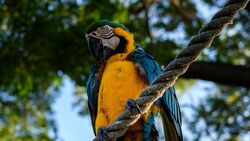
column 43, row 40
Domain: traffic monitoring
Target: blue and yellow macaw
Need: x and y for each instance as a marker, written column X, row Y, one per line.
column 122, row 71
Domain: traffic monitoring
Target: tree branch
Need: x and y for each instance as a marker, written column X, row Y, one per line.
column 186, row 12
column 219, row 73
column 146, row 5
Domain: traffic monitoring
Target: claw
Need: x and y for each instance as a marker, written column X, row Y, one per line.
column 132, row 106
column 103, row 134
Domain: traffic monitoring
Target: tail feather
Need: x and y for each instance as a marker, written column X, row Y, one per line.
column 169, row 129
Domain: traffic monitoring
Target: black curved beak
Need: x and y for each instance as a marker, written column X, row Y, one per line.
column 95, row 46
column 100, row 52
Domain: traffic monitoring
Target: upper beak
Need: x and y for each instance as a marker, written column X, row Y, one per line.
column 95, row 45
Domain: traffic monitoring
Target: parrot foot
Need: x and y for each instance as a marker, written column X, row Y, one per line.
column 132, row 106
column 103, row 134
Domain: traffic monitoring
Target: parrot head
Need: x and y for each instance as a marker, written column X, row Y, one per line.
column 106, row 38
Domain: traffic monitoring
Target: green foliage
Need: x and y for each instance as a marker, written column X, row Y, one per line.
column 226, row 110
column 42, row 40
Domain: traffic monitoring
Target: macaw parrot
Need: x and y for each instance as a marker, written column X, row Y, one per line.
column 120, row 74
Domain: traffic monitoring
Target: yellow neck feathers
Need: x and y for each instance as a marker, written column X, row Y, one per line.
column 128, row 36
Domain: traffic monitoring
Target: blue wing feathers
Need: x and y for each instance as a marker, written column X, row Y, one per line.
column 148, row 63
column 169, row 100
column 149, row 128
column 92, row 87
column 92, row 92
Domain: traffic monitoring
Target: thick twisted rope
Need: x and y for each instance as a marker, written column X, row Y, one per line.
column 175, row 68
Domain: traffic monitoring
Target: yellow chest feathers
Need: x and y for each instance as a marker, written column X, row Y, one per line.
column 120, row 81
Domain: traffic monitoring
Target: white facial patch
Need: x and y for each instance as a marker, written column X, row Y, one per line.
column 112, row 43
column 107, row 35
